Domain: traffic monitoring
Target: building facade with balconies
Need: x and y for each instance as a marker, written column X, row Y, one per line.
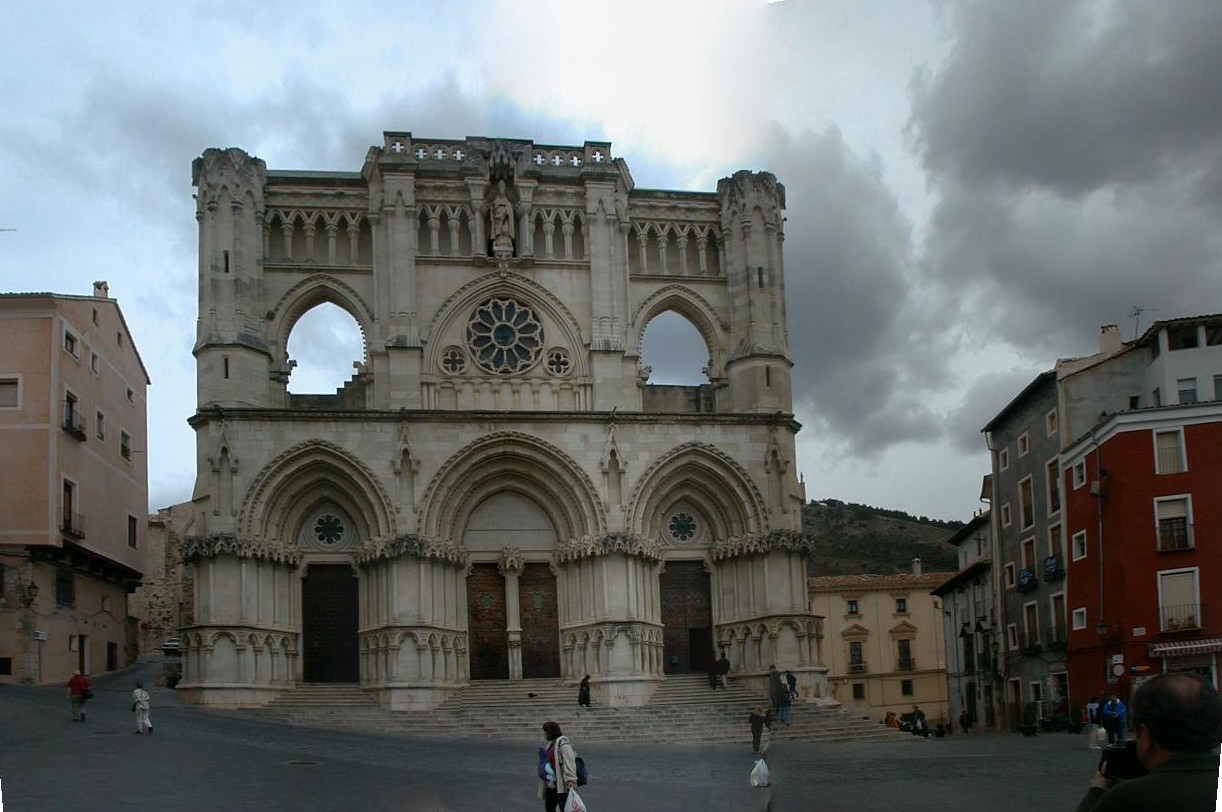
column 1029, row 558
column 884, row 641
column 1143, row 511
column 74, row 494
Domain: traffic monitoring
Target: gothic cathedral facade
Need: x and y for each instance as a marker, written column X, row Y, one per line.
column 498, row 492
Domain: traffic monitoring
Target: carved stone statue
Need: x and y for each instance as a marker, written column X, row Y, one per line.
column 502, row 223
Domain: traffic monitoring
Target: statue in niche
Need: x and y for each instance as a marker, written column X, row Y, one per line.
column 502, row 223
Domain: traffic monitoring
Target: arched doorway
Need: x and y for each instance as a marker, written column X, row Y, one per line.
column 329, row 622
column 687, row 617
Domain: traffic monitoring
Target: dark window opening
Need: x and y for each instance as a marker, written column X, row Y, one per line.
column 859, row 690
column 65, row 588
column 906, row 687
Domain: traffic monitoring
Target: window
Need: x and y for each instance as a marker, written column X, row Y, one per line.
column 1056, row 608
column 73, row 423
column 850, row 606
column 125, row 445
column 65, row 587
column 1174, row 523
column 73, row 522
column 1029, row 554
column 10, row 393
column 859, row 690
column 1024, row 445
column 1005, row 515
column 131, row 531
column 72, row 345
column 1037, row 691
column 1079, row 474
column 119, row 339
column 1079, row 618
column 901, row 606
column 906, row 687
column 1031, row 625
column 1009, row 575
column 6, row 666
column 1078, row 545
column 1026, row 503
column 857, row 661
column 1218, row 387
column 105, row 603
column 904, row 661
column 1187, row 388
column 1054, row 541
column 1157, row 396
column 1050, row 422
column 1003, row 459
column 1213, row 336
column 131, row 396
column 1182, row 338
column 1134, row 401
column 1053, row 472
column 1169, row 452
column 93, row 362
column 1012, row 636
column 1178, row 603
column 100, row 425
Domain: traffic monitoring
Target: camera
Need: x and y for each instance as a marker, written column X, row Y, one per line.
column 1119, row 761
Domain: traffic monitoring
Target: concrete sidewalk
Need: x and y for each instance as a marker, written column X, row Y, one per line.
column 228, row 761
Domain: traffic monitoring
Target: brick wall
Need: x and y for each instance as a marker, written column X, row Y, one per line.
column 488, row 642
column 686, row 606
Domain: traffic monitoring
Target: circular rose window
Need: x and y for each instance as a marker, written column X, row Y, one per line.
column 329, row 529
column 504, row 336
column 682, row 526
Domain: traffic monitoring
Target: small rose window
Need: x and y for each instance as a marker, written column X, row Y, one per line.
column 682, row 526
column 558, row 362
column 329, row 529
column 453, row 360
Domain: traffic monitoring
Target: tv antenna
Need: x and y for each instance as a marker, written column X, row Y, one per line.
column 1136, row 317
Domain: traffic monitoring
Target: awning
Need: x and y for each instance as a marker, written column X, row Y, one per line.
column 1186, row 649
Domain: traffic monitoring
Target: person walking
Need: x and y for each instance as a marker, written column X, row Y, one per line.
column 965, row 722
column 560, row 769
column 786, row 705
column 775, row 688
column 140, row 707
column 792, row 682
column 723, row 669
column 79, row 692
column 760, row 719
column 583, row 692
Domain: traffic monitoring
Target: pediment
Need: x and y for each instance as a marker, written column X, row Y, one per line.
column 855, row 630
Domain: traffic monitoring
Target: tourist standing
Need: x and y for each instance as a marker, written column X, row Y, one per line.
column 965, row 722
column 583, row 692
column 79, row 691
column 786, row 708
column 562, row 762
column 775, row 688
column 792, row 682
column 140, row 707
column 1114, row 714
column 760, row 719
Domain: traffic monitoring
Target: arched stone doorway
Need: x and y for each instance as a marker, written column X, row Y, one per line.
column 329, row 624
column 687, row 617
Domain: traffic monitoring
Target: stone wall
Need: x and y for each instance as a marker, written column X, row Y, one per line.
column 162, row 605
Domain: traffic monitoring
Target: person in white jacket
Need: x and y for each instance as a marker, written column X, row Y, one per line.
column 140, row 707
column 562, row 759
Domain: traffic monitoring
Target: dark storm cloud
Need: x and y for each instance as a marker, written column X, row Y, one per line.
column 1076, row 149
column 863, row 346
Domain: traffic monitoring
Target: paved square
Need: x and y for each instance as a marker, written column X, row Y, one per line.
column 227, row 761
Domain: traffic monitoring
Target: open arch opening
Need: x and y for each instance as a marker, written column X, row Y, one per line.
column 326, row 353
column 674, row 351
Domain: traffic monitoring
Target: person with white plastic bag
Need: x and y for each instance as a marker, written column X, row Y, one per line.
column 559, row 784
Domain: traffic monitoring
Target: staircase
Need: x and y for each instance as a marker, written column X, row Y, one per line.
column 683, row 709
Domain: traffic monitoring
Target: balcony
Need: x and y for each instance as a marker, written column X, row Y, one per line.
column 905, row 664
column 1054, row 638
column 73, row 524
column 74, row 421
column 1184, row 617
column 1027, row 582
column 857, row 668
column 1054, row 568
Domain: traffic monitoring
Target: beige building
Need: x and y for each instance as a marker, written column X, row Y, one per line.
column 885, row 646
column 498, row 492
column 74, row 489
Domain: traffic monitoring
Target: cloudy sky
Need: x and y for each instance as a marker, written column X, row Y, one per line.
column 974, row 187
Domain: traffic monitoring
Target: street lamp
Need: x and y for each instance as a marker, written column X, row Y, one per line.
column 1101, row 629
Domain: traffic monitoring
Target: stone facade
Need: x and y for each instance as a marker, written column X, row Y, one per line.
column 163, row 600
column 505, row 487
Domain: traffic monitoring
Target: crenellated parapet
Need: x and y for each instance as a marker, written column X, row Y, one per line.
column 792, row 541
column 196, row 548
column 411, row 545
column 609, row 544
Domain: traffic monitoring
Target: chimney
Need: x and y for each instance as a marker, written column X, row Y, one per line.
column 916, row 566
column 101, row 290
column 1109, row 338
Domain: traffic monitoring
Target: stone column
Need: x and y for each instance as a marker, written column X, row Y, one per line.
column 511, row 570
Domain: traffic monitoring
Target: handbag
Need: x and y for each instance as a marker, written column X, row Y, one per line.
column 86, row 694
column 574, row 803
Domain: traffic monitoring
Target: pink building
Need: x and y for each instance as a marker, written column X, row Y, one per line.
column 73, row 487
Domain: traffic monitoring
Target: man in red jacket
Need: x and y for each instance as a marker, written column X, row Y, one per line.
column 79, row 690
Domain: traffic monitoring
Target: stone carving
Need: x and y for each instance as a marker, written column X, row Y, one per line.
column 218, row 544
column 608, row 544
column 761, row 544
column 502, row 223
column 511, row 560
column 413, row 545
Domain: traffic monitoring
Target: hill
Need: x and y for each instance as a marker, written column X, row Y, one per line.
column 854, row 539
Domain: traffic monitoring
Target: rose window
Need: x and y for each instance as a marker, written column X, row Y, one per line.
column 682, row 526
column 329, row 529
column 558, row 362
column 504, row 336
column 453, row 360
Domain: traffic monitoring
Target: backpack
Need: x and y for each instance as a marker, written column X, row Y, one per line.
column 582, row 775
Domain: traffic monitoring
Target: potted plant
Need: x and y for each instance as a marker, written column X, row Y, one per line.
column 1029, row 726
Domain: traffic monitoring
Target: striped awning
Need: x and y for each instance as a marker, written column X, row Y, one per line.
column 1187, row 648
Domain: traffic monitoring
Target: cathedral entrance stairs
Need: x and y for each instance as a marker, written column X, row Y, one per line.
column 683, row 709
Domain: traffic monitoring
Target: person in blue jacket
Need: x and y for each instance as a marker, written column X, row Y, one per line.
column 1114, row 719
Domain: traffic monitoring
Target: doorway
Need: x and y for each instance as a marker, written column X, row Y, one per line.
column 540, row 622
column 487, row 638
column 329, row 624
column 687, row 617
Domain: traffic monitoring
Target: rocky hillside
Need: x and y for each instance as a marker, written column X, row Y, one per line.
column 855, row 539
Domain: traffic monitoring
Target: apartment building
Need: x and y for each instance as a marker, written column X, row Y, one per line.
column 74, row 489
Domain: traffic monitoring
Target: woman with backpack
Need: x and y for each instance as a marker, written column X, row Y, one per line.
column 558, row 773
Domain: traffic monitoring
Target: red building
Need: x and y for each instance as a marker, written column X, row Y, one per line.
column 1143, row 524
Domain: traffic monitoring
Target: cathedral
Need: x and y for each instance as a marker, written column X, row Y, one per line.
column 498, row 492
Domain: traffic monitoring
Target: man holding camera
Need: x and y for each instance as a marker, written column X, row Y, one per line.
column 1177, row 719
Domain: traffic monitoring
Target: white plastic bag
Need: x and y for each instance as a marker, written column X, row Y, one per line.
column 1098, row 737
column 759, row 774
column 574, row 803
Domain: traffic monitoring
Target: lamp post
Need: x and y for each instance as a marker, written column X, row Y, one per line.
column 29, row 595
